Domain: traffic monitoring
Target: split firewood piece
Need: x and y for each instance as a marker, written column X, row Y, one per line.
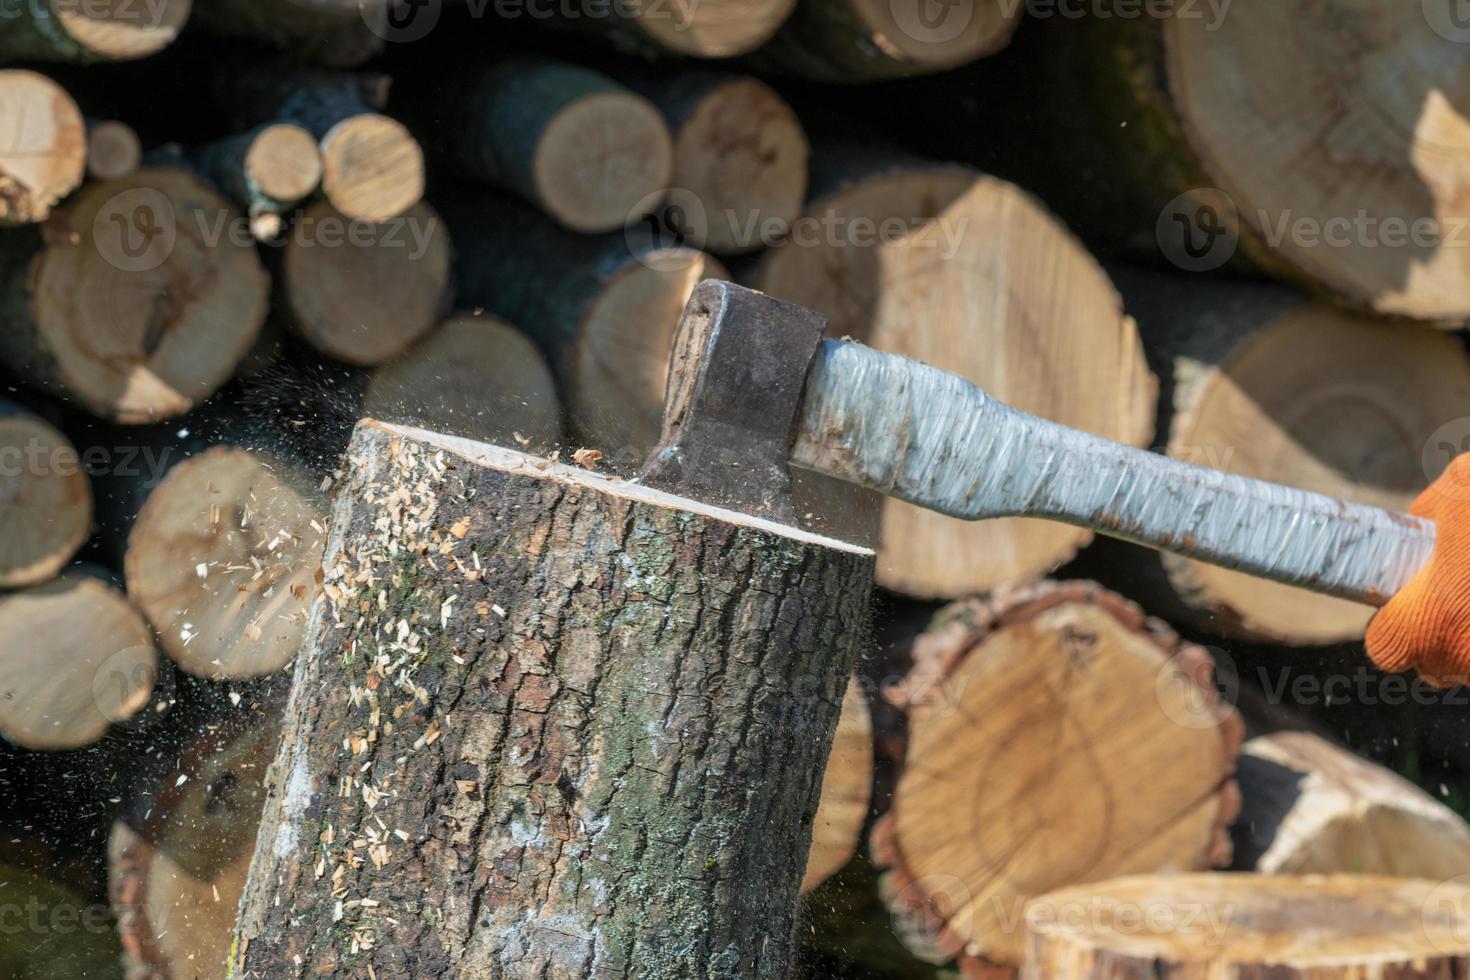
column 267, row 171
column 372, row 167
column 572, row 141
column 847, row 788
column 337, row 33
column 706, row 29
column 1309, row 807
column 604, row 309
column 740, row 161
column 1204, row 926
column 113, row 149
column 1327, row 148
column 126, row 303
column 45, row 156
column 1056, row 735
column 442, row 713
column 360, row 291
column 970, row 274
column 115, row 30
column 476, row 377
column 76, row 657
column 223, row 559
column 863, row 40
column 48, row 499
column 175, row 882
column 1361, row 423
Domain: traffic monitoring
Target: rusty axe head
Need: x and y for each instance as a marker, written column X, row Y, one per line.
column 736, row 376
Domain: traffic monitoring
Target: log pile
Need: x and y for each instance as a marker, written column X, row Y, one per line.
column 462, row 695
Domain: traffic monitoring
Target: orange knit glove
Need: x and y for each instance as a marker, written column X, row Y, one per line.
column 1427, row 625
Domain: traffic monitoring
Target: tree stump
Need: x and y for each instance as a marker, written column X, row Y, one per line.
column 548, row 724
column 1234, row 927
column 1056, row 735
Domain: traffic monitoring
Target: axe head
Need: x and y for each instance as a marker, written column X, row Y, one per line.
column 731, row 403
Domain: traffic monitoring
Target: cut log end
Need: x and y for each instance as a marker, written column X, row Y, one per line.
column 372, row 168
column 223, row 559
column 78, row 658
column 283, row 163
column 45, row 156
column 48, row 500
column 118, row 30
column 599, row 157
column 361, row 292
column 847, row 788
column 1078, row 739
column 712, row 28
column 909, row 33
column 476, row 377
column 1198, row 926
column 113, row 150
column 140, row 316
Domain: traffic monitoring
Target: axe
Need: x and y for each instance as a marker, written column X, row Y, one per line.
column 754, row 388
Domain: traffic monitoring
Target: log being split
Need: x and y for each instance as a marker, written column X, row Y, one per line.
column 863, row 40
column 48, row 499
column 223, row 561
column 1055, row 735
column 605, row 311
column 740, row 161
column 75, row 657
column 64, row 30
column 338, row 33
column 707, row 29
column 475, row 377
column 1261, row 382
column 266, row 171
column 1332, row 143
column 45, row 156
column 124, row 303
column 372, row 167
column 113, row 149
column 592, row 717
column 970, row 274
column 363, row 292
column 1309, row 807
column 572, row 141
column 847, row 788
column 1203, row 927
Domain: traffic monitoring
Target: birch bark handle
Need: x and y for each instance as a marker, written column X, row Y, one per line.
column 933, row 439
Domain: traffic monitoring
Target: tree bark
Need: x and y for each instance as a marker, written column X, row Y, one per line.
column 45, row 158
column 125, row 304
column 1260, row 381
column 58, row 30
column 336, row 33
column 48, row 499
column 1309, row 807
column 1200, row 927
column 1055, row 735
column 598, row 752
column 968, row 273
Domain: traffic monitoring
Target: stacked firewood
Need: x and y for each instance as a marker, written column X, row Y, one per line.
column 233, row 227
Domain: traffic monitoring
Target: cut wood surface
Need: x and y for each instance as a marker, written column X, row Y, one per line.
column 48, row 499
column 364, row 292
column 476, row 377
column 970, row 274
column 266, row 171
column 1309, row 807
column 112, row 30
column 588, row 669
column 113, row 149
column 1337, row 136
column 1056, row 736
column 863, row 40
column 75, row 657
column 1230, row 927
column 44, row 157
column 707, row 29
column 847, row 787
column 604, row 309
column 223, row 560
column 124, row 304
column 1261, row 382
column 740, row 161
column 572, row 141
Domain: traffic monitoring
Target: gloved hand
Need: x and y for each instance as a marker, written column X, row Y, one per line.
column 1427, row 625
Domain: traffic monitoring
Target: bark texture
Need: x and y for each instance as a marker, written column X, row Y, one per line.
column 548, row 724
